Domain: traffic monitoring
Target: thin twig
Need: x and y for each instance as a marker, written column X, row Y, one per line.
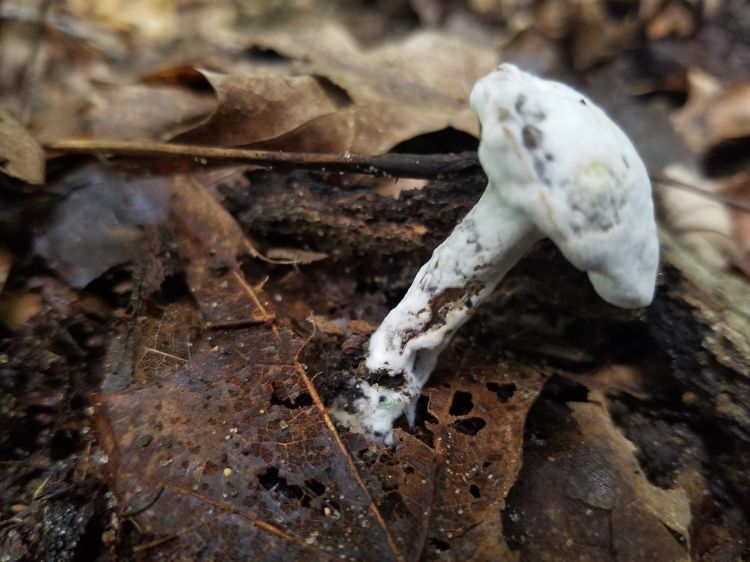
column 733, row 202
column 424, row 166
column 392, row 164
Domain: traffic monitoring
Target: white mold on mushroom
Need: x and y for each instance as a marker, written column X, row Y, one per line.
column 558, row 167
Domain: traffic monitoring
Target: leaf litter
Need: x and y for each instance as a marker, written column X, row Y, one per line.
column 241, row 445
column 217, row 441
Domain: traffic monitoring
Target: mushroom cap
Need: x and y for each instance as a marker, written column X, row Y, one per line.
column 553, row 154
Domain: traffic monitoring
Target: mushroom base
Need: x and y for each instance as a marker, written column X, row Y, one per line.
column 462, row 272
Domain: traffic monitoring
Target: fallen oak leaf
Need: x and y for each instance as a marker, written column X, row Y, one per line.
column 349, row 99
column 253, row 109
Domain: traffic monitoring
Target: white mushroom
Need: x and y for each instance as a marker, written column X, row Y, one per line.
column 557, row 167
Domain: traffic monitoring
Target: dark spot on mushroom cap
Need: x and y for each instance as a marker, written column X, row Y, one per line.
column 583, row 102
column 532, row 137
column 502, row 114
column 532, row 113
column 520, row 101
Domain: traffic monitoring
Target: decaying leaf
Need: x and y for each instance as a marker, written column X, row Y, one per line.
column 101, row 225
column 583, row 496
column 477, row 420
column 236, row 445
column 211, row 240
column 21, row 156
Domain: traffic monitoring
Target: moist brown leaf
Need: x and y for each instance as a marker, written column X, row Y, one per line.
column 238, row 452
column 583, row 496
column 210, row 239
column 21, row 156
column 478, row 442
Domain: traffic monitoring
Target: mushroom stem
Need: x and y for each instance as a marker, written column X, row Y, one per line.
column 462, row 272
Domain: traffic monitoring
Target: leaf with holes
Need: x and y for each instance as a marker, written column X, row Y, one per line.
column 233, row 451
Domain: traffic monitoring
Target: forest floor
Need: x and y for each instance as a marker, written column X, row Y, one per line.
column 174, row 328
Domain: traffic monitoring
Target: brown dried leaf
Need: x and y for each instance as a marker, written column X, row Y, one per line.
column 364, row 101
column 704, row 225
column 148, row 112
column 713, row 114
column 257, row 108
column 21, row 156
